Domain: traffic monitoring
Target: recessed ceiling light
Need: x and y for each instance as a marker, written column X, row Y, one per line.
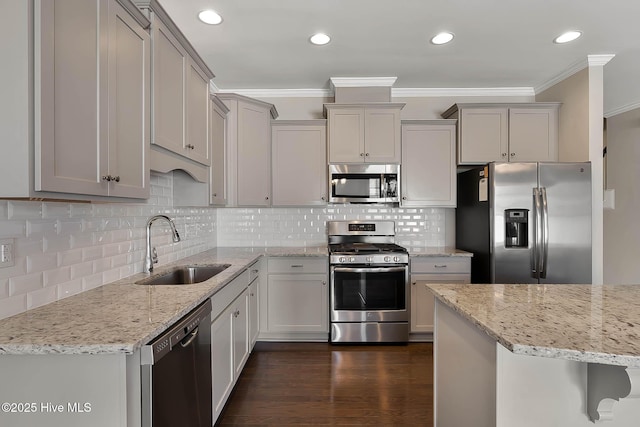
column 442, row 38
column 567, row 37
column 319, row 39
column 210, row 17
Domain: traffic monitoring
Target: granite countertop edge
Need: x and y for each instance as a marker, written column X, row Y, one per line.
column 49, row 329
column 540, row 350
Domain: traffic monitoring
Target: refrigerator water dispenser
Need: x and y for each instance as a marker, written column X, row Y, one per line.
column 515, row 228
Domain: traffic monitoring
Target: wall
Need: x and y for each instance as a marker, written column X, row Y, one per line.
column 416, row 108
column 621, row 232
column 263, row 227
column 573, row 120
column 66, row 248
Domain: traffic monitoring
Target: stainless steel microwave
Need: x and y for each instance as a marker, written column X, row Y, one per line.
column 366, row 183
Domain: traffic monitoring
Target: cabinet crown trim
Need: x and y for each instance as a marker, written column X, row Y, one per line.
column 219, row 104
column 456, row 107
column 442, row 122
column 313, row 122
column 368, row 105
column 230, row 95
column 160, row 13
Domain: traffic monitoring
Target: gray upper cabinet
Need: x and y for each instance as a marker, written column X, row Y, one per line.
column 180, row 93
column 428, row 173
column 299, row 162
column 248, row 150
column 523, row 132
column 91, row 121
column 363, row 133
column 218, row 132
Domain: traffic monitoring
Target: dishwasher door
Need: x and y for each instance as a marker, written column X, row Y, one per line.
column 176, row 374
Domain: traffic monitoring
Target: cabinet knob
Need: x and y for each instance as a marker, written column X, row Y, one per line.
column 404, row 197
column 266, row 198
column 215, row 194
column 361, row 154
column 251, row 294
column 110, row 178
column 323, row 198
column 106, row 178
column 367, row 154
column 116, row 178
column 513, row 154
column 414, row 283
column 190, row 146
column 324, row 283
column 504, row 154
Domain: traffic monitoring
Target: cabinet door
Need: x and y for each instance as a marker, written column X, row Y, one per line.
column 299, row 165
column 129, row 102
column 297, row 303
column 346, row 135
column 240, row 328
column 71, row 106
column 533, row 134
column 197, row 118
column 222, row 368
column 428, row 165
column 483, row 135
column 422, row 299
column 218, row 160
column 169, row 88
column 254, row 315
column 254, row 156
column 382, row 135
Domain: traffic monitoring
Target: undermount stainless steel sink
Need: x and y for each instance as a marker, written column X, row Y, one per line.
column 185, row 275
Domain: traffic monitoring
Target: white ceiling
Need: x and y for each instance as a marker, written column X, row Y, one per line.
column 263, row 44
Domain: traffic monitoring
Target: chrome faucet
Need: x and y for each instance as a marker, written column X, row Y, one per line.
column 151, row 257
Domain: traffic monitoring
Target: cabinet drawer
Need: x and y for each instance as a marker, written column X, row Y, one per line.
column 441, row 265
column 297, row 265
column 225, row 296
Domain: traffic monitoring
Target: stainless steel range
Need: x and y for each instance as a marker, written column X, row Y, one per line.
column 369, row 276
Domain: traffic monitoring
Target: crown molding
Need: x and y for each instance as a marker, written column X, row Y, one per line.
column 281, row 93
column 481, row 91
column 590, row 60
column 599, row 60
column 621, row 110
column 213, row 88
column 362, row 81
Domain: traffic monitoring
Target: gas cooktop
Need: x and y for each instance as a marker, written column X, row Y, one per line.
column 365, row 248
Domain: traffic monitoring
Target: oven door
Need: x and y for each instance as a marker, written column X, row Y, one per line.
column 369, row 294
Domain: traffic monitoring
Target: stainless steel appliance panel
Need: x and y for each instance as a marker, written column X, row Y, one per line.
column 364, row 183
column 176, row 374
column 511, row 187
column 566, row 222
column 369, row 332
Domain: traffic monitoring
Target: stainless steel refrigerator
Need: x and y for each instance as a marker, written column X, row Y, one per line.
column 526, row 222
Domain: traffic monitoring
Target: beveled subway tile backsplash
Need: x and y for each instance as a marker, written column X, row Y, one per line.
column 62, row 249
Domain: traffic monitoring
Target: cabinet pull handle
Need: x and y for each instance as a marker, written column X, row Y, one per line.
column 296, row 265
column 440, row 265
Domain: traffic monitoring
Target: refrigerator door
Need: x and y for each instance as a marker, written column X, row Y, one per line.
column 511, row 193
column 566, row 257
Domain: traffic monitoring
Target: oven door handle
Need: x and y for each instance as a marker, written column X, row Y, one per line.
column 369, row 269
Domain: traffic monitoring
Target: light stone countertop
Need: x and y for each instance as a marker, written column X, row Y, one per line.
column 120, row 317
column 585, row 323
column 431, row 251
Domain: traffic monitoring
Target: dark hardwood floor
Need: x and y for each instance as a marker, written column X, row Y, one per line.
column 320, row 384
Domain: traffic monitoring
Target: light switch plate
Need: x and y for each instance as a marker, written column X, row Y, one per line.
column 7, row 253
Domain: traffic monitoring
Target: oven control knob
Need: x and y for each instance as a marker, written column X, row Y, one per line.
column 396, row 259
column 342, row 259
column 352, row 259
column 387, row 259
column 369, row 259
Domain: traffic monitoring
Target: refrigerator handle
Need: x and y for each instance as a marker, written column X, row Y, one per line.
column 545, row 233
column 537, row 242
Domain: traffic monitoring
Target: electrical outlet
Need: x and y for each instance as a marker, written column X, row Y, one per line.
column 7, row 253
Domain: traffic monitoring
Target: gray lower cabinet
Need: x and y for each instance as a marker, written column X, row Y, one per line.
column 294, row 300
column 436, row 269
column 233, row 328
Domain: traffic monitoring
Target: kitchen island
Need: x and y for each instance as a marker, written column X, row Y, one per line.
column 536, row 355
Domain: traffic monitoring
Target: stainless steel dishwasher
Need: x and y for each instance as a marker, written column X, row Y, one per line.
column 176, row 373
